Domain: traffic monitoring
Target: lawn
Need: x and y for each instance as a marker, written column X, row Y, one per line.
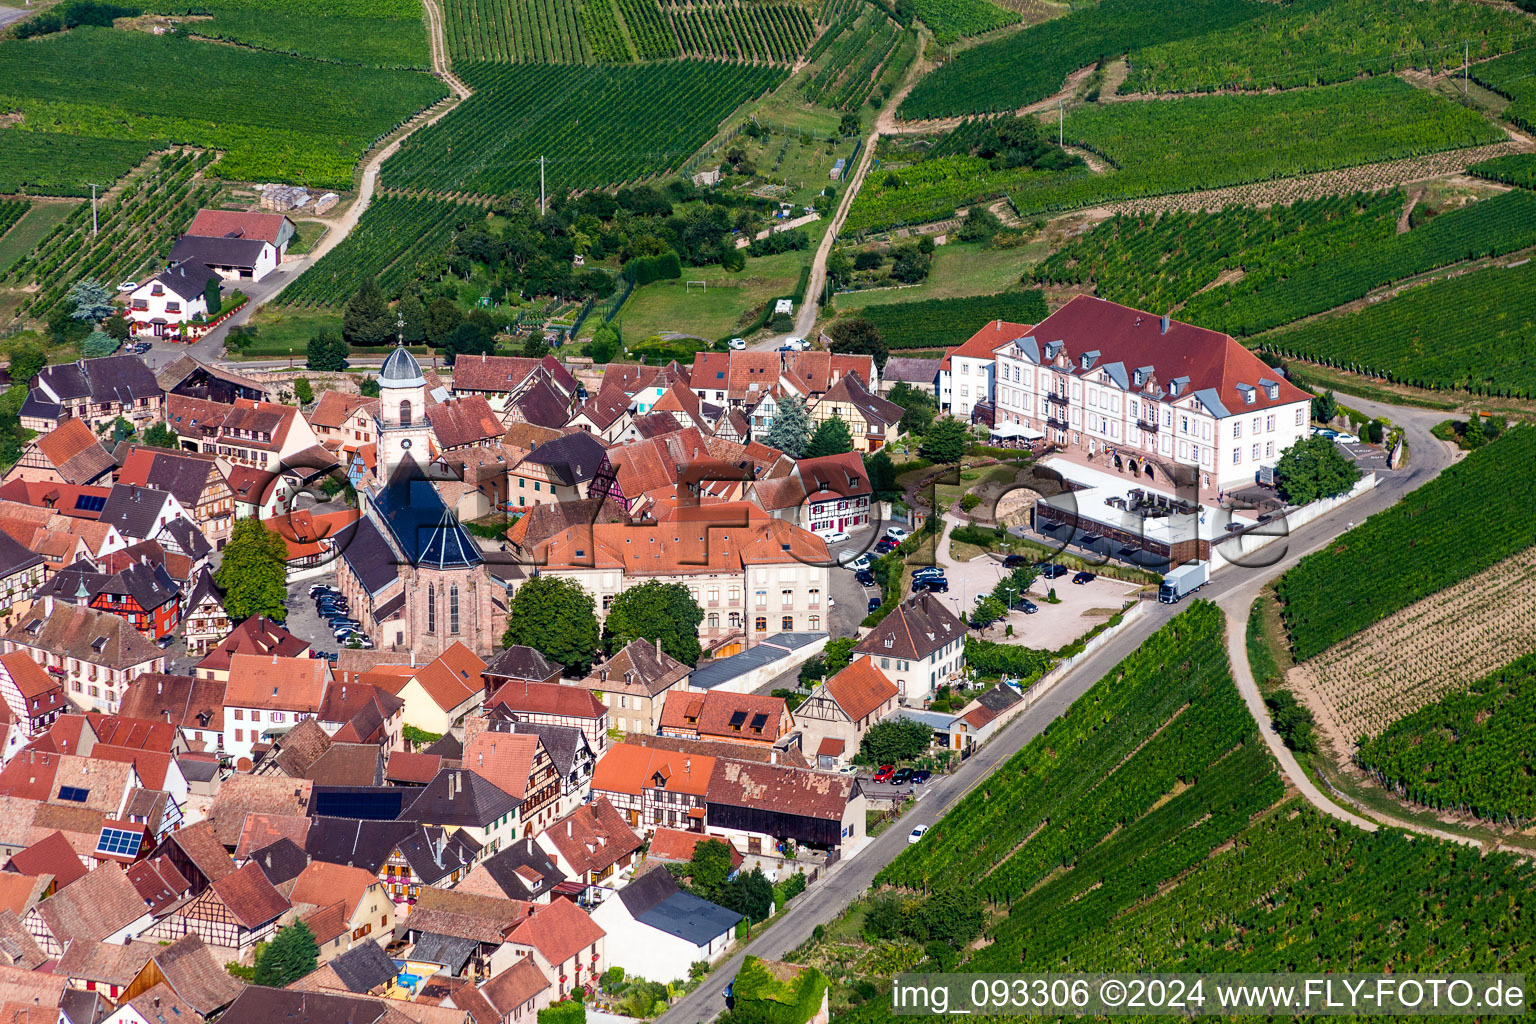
column 959, row 269
column 27, row 232
column 721, row 306
column 307, row 234
column 801, row 162
column 278, row 330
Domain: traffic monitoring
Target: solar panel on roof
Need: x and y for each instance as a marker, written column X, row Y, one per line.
column 74, row 793
column 120, row 842
column 90, row 503
column 737, row 718
column 373, row 804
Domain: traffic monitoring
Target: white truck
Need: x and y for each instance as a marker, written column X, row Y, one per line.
column 1185, row 580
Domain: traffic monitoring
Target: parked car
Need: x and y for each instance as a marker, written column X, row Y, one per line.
column 1324, row 432
column 1015, row 562
column 1028, row 607
column 1084, row 577
column 921, row 775
column 916, row 834
column 885, row 773
column 932, row 584
column 796, row 344
column 738, row 344
column 927, row 570
column 874, row 603
column 862, row 562
column 848, row 769
column 1346, row 439
column 865, row 578
column 128, row 286
column 166, row 641
column 896, row 533
column 138, row 348
column 885, row 547
column 1051, row 570
column 902, row 777
column 319, row 588
column 836, row 537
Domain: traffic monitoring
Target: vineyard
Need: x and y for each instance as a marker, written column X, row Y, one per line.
column 1470, row 517
column 514, row 31
column 649, row 30
column 1437, row 646
column 1514, row 169
column 11, row 211
column 379, row 33
column 854, row 50
column 1318, row 42
column 1470, row 753
column 1513, row 76
column 234, row 99
column 1294, row 260
column 952, row 19
column 62, row 165
column 598, row 126
column 600, row 28
column 135, row 230
column 1157, row 147
column 1474, row 331
column 1027, row 66
column 1135, row 832
column 940, row 323
column 393, row 240
column 750, row 31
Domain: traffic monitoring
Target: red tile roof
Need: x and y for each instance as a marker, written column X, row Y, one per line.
column 675, row 845
column 248, row 224
column 274, row 683
column 337, row 408
column 987, row 340
column 50, row 855
column 505, row 760
column 631, row 769
column 30, row 678
column 725, row 715
column 861, row 689
column 593, row 837
column 405, row 766
column 492, row 373
column 559, row 931
column 547, row 699
column 256, row 635
column 466, row 420
column 250, row 896
column 75, row 451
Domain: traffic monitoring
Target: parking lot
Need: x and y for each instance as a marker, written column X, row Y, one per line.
column 303, row 621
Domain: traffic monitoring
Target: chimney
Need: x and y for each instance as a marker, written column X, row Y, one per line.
column 999, row 326
column 568, row 827
column 688, row 764
column 159, row 686
column 413, row 658
column 1165, row 323
column 658, row 647
column 773, row 756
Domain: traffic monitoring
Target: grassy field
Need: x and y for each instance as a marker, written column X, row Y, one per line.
column 959, row 269
column 27, row 232
column 278, row 330
column 720, row 307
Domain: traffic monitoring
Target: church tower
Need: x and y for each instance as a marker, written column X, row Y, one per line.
column 401, row 421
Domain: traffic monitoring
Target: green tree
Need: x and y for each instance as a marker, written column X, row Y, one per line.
column 882, row 476
column 27, row 360
column 212, row 296
column 893, row 740
column 1313, row 468
column 945, row 440
column 839, row 267
column 831, row 438
column 605, row 344
column 116, row 327
column 838, row 654
column 750, row 894
column 240, row 337
column 99, row 344
column 365, row 319
column 290, row 955
column 414, row 313
column 849, row 125
column 860, row 337
column 790, row 427
column 253, row 574
column 1475, row 436
column 709, row 869
column 443, row 316
column 554, row 616
column 368, row 387
column 535, row 346
column 160, row 435
column 1325, row 407
column 565, row 1012
column 656, row 611
column 326, row 351
column 303, row 391
column 90, row 301
column 919, row 405
column 980, row 224
column 467, row 339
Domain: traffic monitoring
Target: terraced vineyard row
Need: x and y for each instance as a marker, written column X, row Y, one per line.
column 11, row 211
column 1514, row 169
column 649, row 29
column 135, row 231
column 604, row 38
column 376, row 33
column 514, row 31
column 954, row 19
column 1318, row 42
column 750, row 31
column 940, row 323
column 1473, row 515
column 598, row 126
column 392, row 240
column 1513, row 76
column 854, row 52
column 1157, row 147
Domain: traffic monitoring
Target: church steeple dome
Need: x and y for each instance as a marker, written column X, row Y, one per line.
column 401, row 370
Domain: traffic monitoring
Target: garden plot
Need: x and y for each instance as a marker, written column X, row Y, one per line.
column 1416, row 656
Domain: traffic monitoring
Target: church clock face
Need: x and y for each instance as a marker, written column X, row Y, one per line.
column 405, row 444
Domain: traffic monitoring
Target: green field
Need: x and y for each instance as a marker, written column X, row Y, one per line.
column 1147, row 829
column 1470, row 752
column 373, row 42
column 63, row 165
column 41, row 219
column 1469, row 517
column 1316, row 42
column 1475, row 332
column 942, row 323
column 952, row 19
column 597, row 125
column 237, row 100
column 959, row 269
column 1295, row 260
column 515, row 31
column 1156, row 147
column 725, row 303
column 283, row 330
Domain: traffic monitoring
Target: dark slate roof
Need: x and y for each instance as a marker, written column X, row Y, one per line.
column 15, row 556
column 519, row 662
column 913, row 371
column 81, row 1007
column 281, row 861
column 149, row 585
column 1000, row 698
column 368, row 554
column 65, row 380
column 434, row 853
column 108, row 379
column 74, row 584
column 355, row 842
column 422, row 527
column 188, row 537
column 449, row 950
column 654, row 899
column 363, row 968
column 261, row 1005
column 523, row 853
column 543, row 405
column 134, row 510
column 449, row 747
column 187, row 279
column 474, row 801
column 222, row 252
column 401, row 369
column 572, row 459
column 39, row 405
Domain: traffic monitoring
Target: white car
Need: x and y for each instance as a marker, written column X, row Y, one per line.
column 837, row 537
column 797, row 344
column 916, row 834
column 862, row 562
column 896, row 533
column 1346, row 439
column 738, row 343
column 128, row 286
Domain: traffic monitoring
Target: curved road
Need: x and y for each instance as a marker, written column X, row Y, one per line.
column 1233, row 590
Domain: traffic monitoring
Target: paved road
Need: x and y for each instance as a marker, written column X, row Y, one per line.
column 1234, row 589
column 10, row 14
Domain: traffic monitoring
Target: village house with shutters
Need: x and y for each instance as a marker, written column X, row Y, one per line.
column 95, row 655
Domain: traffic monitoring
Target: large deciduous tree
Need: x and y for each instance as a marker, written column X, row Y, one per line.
column 945, row 440
column 790, row 427
column 26, row 361
column 858, row 336
column 1314, row 468
column 893, row 740
column 656, row 611
column 555, row 617
column 254, row 572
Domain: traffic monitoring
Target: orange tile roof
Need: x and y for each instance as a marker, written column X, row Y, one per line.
column 306, row 534
column 716, row 714
column 75, row 451
column 861, row 688
column 30, row 678
column 676, row 845
column 273, row 683
column 558, row 931
column 321, row 883
column 547, row 699
column 336, row 408
column 466, row 420
column 627, row 768
column 987, row 340
column 505, row 760
column 452, row 678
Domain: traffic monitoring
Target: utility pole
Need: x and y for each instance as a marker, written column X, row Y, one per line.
column 1061, row 121
column 93, row 207
column 1466, row 68
column 542, row 209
